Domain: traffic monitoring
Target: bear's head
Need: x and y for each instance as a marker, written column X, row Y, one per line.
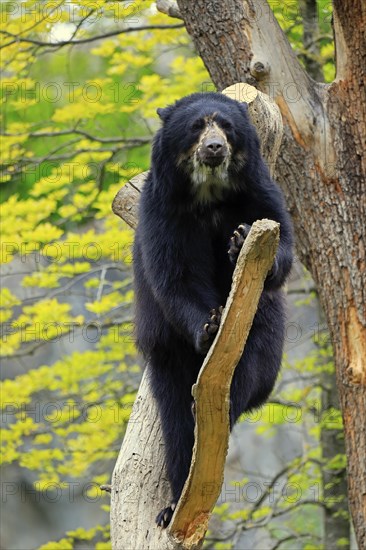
column 210, row 138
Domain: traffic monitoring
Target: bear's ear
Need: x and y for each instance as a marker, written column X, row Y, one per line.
column 165, row 112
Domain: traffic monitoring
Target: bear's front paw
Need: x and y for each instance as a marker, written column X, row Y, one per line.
column 206, row 336
column 164, row 517
column 272, row 272
column 237, row 241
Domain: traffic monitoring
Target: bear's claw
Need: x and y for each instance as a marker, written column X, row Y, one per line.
column 164, row 517
column 206, row 336
column 237, row 240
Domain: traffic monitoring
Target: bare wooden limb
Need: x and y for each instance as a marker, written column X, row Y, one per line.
column 266, row 117
column 212, row 391
column 169, row 7
column 139, row 484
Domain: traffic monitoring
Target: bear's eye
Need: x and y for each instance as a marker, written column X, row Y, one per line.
column 198, row 124
column 226, row 125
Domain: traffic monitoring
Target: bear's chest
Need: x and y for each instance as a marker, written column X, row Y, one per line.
column 221, row 221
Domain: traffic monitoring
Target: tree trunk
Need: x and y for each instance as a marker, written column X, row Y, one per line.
column 139, row 482
column 321, row 168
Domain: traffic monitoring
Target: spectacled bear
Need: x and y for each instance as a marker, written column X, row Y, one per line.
column 207, row 184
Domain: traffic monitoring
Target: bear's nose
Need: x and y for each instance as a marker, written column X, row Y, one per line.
column 213, row 151
column 214, row 146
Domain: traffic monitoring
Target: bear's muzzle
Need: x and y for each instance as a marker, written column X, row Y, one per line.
column 213, row 150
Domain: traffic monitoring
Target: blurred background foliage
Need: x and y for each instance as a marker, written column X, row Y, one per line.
column 81, row 82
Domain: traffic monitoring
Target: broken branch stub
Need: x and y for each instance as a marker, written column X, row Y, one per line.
column 126, row 202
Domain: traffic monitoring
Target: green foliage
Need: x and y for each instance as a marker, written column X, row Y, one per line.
column 290, row 15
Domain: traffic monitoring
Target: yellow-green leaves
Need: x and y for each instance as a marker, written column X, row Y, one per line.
column 77, row 124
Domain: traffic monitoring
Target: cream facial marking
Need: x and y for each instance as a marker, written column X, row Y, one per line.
column 210, row 162
column 207, row 162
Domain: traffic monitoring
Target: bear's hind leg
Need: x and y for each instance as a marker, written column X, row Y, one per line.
column 257, row 370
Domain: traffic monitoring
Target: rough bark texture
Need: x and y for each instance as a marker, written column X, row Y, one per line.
column 266, row 117
column 139, row 485
column 321, row 168
column 126, row 202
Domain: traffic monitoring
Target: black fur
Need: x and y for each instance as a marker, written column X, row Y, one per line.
column 183, row 269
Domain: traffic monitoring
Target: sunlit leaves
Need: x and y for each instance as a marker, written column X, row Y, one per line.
column 46, row 320
column 7, row 301
column 63, row 544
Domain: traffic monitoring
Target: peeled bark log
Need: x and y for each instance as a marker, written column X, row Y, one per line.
column 126, row 202
column 212, row 390
column 265, row 116
column 139, row 484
